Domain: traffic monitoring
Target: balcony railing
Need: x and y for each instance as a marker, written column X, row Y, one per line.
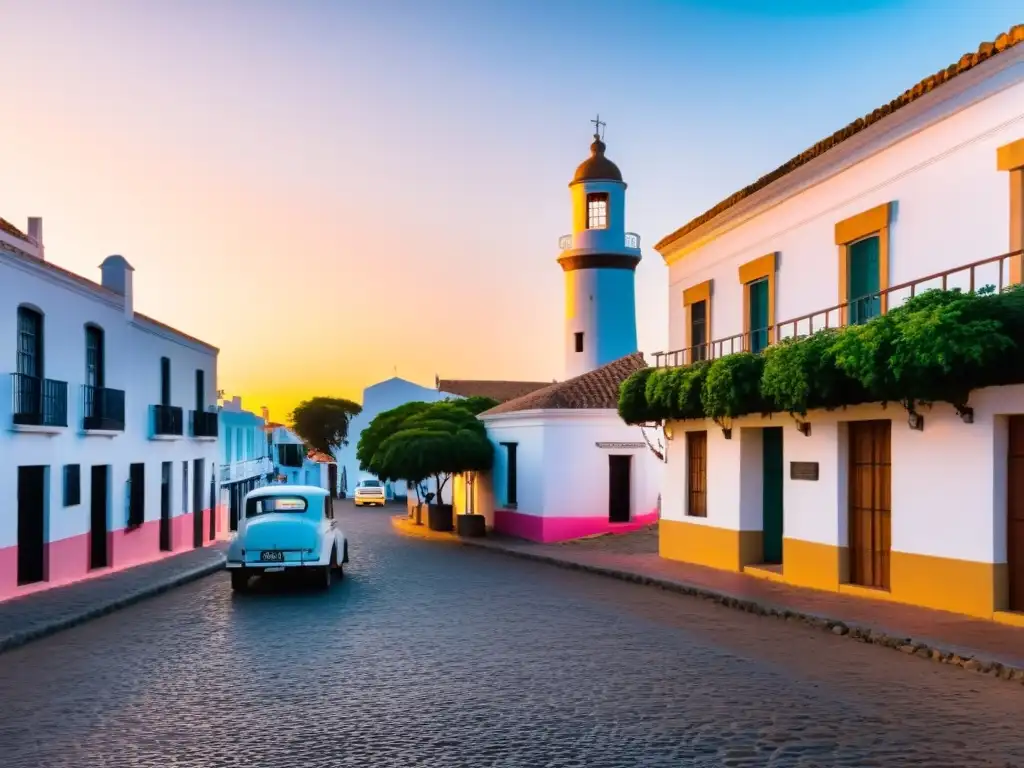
column 994, row 271
column 245, row 469
column 102, row 408
column 204, row 424
column 630, row 240
column 167, row 420
column 39, row 402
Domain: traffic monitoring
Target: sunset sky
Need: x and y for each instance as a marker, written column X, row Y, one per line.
column 329, row 190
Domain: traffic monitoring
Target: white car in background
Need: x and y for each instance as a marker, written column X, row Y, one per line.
column 287, row 529
column 370, row 492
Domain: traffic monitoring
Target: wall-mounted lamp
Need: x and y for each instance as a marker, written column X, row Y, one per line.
column 915, row 420
column 669, row 432
column 966, row 414
column 804, row 428
column 727, row 433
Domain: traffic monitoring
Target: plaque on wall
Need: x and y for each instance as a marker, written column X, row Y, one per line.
column 803, row 470
column 621, row 445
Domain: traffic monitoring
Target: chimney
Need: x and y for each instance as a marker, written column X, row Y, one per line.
column 117, row 277
column 35, row 232
column 266, row 414
column 236, row 403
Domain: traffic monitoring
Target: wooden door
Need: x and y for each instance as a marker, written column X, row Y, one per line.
column 99, row 516
column 870, row 505
column 771, row 486
column 619, row 491
column 1015, row 513
column 697, row 474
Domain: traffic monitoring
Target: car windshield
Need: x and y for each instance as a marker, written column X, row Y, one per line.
column 266, row 504
column 370, row 484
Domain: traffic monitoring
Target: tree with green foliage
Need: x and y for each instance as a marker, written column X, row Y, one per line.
column 417, row 441
column 322, row 422
column 938, row 346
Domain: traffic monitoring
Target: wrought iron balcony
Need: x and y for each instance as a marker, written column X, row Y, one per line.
column 102, row 408
column 167, row 421
column 630, row 240
column 994, row 271
column 39, row 402
column 204, row 424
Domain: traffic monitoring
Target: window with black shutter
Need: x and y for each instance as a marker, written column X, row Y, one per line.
column 511, row 480
column 136, row 495
column 72, row 485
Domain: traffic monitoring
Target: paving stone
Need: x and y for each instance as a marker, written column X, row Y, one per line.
column 39, row 614
column 634, row 556
column 445, row 656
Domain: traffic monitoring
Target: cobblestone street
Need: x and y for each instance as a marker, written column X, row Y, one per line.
column 435, row 655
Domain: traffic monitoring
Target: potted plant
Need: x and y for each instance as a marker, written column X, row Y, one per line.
column 429, row 440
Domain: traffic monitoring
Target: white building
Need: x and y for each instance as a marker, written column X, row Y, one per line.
column 245, row 463
column 566, row 465
column 927, row 191
column 393, row 392
column 295, row 464
column 109, row 424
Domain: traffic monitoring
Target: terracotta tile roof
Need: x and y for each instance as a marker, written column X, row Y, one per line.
column 502, row 391
column 595, row 389
column 321, row 458
column 968, row 61
column 12, row 230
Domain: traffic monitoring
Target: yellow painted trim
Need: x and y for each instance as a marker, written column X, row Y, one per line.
column 848, row 231
column 709, row 546
column 813, row 565
column 760, row 572
column 1016, row 224
column 695, row 293
column 863, row 224
column 1010, row 157
column 763, row 267
column 946, row 584
column 692, row 295
column 758, row 268
column 1010, row 618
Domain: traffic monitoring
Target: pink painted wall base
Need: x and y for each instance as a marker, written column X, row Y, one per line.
column 551, row 529
column 67, row 560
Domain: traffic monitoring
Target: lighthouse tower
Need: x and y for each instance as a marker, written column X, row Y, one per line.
column 599, row 260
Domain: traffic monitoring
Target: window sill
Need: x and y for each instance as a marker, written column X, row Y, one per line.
column 101, row 432
column 166, row 437
column 38, row 429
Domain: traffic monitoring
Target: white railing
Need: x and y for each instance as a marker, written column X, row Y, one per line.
column 631, row 240
column 243, row 470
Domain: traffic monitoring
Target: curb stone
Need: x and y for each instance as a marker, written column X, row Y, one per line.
column 66, row 622
column 861, row 633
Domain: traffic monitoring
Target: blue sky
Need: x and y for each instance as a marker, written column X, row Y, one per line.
column 307, row 149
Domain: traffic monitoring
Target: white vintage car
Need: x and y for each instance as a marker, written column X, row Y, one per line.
column 285, row 528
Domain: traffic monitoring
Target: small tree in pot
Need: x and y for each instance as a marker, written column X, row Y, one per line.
column 419, row 440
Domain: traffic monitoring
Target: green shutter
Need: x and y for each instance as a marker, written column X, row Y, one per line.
column 758, row 329
column 863, row 280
